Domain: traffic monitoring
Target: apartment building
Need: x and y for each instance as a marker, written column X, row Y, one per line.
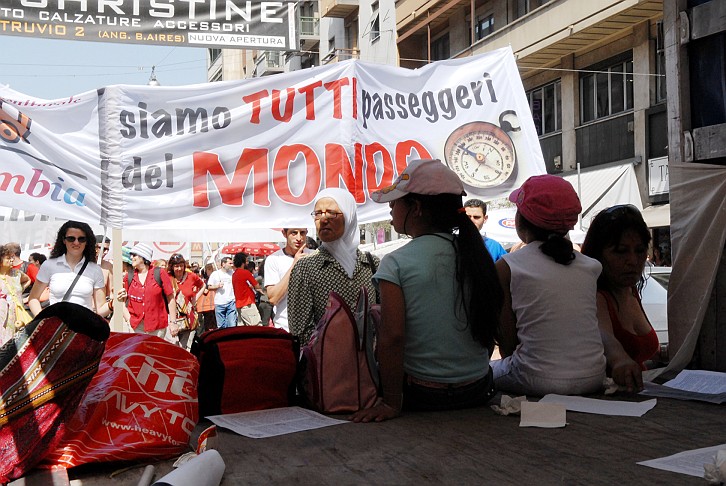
column 593, row 71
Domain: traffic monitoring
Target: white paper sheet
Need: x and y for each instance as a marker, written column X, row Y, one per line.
column 601, row 407
column 545, row 415
column 699, row 381
column 688, row 462
column 206, row 469
column 276, row 421
column 655, row 390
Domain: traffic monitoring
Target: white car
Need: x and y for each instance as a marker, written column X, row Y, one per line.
column 655, row 300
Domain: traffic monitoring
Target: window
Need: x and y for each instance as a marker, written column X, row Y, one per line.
column 213, row 55
column 483, row 27
column 546, row 105
column 375, row 21
column 351, row 34
column 331, row 46
column 309, row 19
column 440, row 48
column 521, row 8
column 607, row 91
column 660, row 68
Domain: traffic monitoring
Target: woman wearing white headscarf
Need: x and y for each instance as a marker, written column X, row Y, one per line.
column 337, row 265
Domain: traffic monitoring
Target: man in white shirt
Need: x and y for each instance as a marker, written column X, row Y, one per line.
column 221, row 281
column 277, row 271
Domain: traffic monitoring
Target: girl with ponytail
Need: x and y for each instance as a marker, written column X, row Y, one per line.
column 550, row 338
column 440, row 299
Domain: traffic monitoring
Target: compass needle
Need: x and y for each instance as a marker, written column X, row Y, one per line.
column 489, row 146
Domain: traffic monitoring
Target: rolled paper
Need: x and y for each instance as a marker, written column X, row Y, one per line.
column 206, row 469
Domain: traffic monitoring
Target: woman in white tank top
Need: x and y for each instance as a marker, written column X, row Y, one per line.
column 550, row 338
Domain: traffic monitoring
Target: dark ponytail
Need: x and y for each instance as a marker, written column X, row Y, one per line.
column 480, row 293
column 554, row 245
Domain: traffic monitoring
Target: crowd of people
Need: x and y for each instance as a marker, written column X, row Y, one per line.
column 562, row 319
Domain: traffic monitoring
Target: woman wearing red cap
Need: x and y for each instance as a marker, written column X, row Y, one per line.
column 550, row 338
column 439, row 320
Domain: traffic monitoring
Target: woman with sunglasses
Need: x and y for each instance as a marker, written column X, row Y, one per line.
column 72, row 265
column 337, row 265
column 618, row 238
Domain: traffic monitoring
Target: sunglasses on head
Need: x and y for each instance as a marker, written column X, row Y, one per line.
column 621, row 209
column 72, row 239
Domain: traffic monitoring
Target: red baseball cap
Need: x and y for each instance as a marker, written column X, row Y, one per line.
column 548, row 202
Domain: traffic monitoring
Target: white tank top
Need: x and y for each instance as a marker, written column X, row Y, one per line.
column 556, row 311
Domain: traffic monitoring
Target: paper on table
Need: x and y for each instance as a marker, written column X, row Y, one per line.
column 699, row 381
column 546, row 415
column 277, row 421
column 601, row 407
column 206, row 469
column 655, row 390
column 688, row 462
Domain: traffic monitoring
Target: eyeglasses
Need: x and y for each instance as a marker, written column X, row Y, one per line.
column 317, row 215
column 72, row 239
column 621, row 209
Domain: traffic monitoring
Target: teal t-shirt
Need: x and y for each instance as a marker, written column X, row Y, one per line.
column 438, row 345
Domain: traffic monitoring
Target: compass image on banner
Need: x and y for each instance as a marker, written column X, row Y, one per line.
column 481, row 153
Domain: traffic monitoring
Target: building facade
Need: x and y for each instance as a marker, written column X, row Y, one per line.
column 594, row 71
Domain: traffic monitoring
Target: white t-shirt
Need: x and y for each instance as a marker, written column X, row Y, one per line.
column 58, row 274
column 224, row 294
column 276, row 266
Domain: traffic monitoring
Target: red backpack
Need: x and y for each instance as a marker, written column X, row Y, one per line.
column 339, row 368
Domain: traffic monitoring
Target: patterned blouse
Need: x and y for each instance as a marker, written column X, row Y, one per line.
column 311, row 280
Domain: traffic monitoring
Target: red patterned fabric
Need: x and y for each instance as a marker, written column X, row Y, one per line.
column 44, row 372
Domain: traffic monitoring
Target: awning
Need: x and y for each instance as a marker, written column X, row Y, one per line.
column 605, row 187
column 656, row 216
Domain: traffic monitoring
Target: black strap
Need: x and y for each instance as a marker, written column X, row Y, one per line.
column 372, row 262
column 157, row 277
column 75, row 280
column 374, row 269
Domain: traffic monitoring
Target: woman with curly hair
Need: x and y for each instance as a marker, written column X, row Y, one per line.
column 188, row 287
column 72, row 265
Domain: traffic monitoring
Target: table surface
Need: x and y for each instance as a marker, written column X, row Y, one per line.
column 474, row 446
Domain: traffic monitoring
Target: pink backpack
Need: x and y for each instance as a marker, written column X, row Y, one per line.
column 340, row 372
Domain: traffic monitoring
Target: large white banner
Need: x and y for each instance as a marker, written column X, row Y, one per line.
column 254, row 153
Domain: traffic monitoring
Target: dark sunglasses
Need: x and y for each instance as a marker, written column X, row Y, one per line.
column 72, row 239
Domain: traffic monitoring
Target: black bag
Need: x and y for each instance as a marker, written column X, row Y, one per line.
column 245, row 368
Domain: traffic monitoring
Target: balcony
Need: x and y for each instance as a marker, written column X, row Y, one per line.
column 546, row 35
column 540, row 38
column 309, row 29
column 269, row 62
column 340, row 54
column 338, row 8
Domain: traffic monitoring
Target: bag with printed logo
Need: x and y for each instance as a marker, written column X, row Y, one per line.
column 140, row 405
